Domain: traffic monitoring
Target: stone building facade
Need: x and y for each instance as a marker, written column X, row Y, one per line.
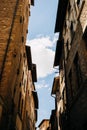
column 58, row 90
column 53, row 124
column 44, row 125
column 17, row 72
column 71, row 23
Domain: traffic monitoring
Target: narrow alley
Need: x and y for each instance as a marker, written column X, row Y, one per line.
column 43, row 65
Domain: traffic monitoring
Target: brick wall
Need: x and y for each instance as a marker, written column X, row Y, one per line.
column 75, row 45
column 13, row 30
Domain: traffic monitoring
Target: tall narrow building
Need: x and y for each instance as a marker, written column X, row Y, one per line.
column 16, row 66
column 71, row 23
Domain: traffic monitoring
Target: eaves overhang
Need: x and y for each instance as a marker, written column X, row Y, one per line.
column 36, row 116
column 55, row 86
column 29, row 58
column 52, row 117
column 35, row 99
column 34, row 73
column 61, row 13
column 32, row 2
column 58, row 53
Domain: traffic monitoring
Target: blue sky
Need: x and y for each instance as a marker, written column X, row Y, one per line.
column 42, row 40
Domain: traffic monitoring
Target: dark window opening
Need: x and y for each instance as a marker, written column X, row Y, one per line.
column 70, row 81
column 24, row 55
column 27, row 31
column 14, row 90
column 65, row 26
column 72, row 30
column 18, row 71
column 67, row 45
column 78, row 2
column 69, row 10
column 29, row 5
column 78, row 70
column 20, row 84
column 29, row 13
column 21, row 20
column 22, row 39
column 71, row 26
column 69, row 7
column 12, row 106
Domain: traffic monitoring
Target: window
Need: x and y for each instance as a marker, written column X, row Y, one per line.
column 70, row 82
column 71, row 26
column 29, row 5
column 72, row 30
column 77, row 70
column 21, row 20
column 27, row 31
column 18, row 71
column 20, row 84
column 29, row 13
column 78, row 2
column 69, row 7
column 24, row 55
column 22, row 39
column 14, row 91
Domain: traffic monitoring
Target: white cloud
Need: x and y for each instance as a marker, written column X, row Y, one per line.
column 55, row 38
column 42, row 55
column 41, row 84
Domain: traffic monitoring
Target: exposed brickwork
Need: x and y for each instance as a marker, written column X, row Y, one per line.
column 14, row 82
column 74, row 35
column 76, row 62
